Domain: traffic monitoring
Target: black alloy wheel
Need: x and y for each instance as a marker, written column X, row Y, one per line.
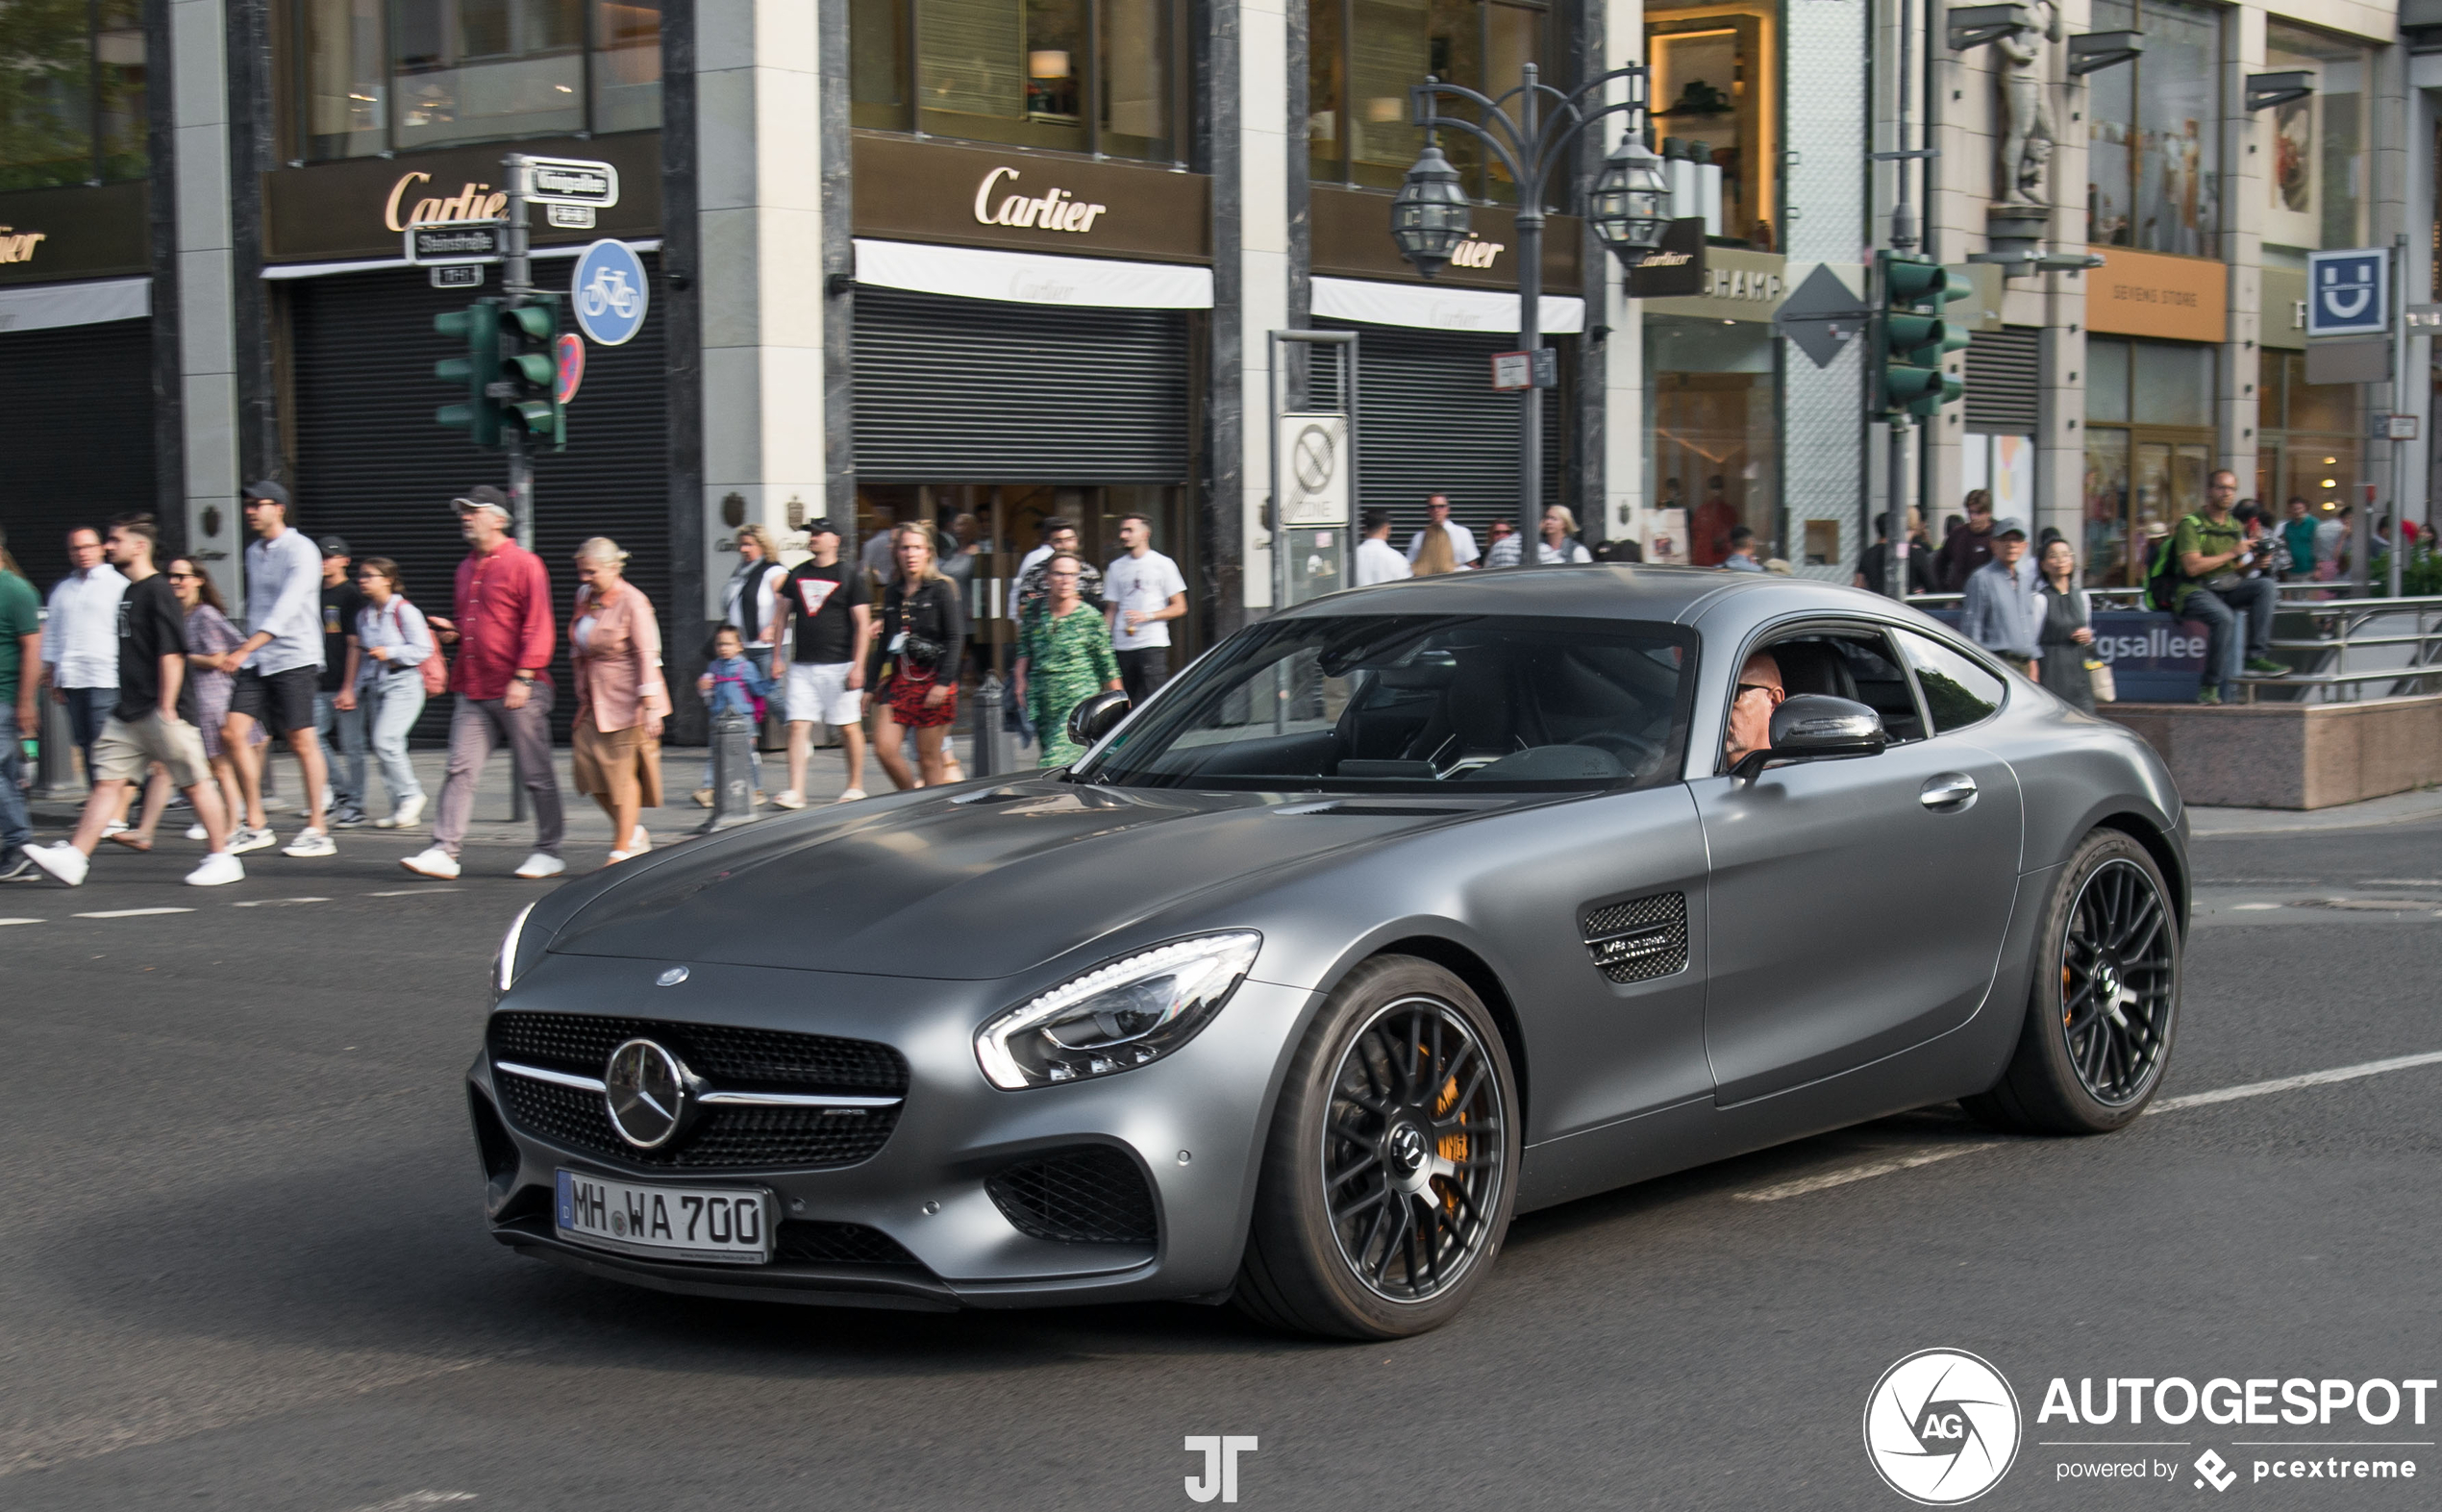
column 2116, row 967
column 1389, row 1171
column 1411, row 1164
column 2102, row 1009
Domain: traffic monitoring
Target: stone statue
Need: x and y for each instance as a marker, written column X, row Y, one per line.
column 2026, row 135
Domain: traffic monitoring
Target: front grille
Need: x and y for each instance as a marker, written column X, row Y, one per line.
column 740, row 1059
column 812, row 1241
column 1089, row 1195
column 721, row 1138
column 1639, row 941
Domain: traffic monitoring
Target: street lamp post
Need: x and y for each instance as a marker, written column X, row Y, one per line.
column 1529, row 130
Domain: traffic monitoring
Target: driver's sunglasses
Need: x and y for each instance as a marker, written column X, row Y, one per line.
column 1745, row 688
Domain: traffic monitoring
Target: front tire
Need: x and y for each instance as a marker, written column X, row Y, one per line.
column 2105, row 1006
column 1391, row 1170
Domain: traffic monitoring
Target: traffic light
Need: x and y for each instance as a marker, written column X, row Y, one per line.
column 478, row 325
column 1914, row 336
column 530, row 363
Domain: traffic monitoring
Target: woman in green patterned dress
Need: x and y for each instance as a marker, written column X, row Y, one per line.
column 1063, row 660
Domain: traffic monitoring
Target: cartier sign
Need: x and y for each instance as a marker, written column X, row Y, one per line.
column 474, row 202
column 18, row 246
column 948, row 192
column 1057, row 211
column 359, row 207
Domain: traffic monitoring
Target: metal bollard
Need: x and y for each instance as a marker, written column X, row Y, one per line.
column 54, row 770
column 986, row 762
column 733, row 774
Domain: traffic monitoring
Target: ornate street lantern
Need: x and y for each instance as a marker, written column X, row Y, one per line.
column 1429, row 217
column 1630, row 203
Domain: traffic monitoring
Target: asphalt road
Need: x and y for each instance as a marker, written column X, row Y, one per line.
column 242, row 1263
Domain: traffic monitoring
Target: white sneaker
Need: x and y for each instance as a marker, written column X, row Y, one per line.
column 639, row 842
column 850, row 794
column 248, row 839
column 196, row 832
column 310, row 842
column 538, row 867
column 63, row 861
column 216, row 869
column 114, row 826
column 791, row 798
column 409, row 814
column 433, row 862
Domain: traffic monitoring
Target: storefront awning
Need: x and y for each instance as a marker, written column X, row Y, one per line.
column 45, row 305
column 1031, row 277
column 1375, row 304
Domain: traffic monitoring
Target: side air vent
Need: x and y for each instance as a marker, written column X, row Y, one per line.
column 1639, row 941
column 1090, row 1194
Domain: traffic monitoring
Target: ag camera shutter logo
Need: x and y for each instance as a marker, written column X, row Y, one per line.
column 1942, row 1428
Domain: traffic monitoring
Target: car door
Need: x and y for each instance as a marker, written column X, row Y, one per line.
column 1857, row 906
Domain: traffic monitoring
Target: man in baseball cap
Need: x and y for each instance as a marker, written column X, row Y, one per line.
column 266, row 490
column 829, row 603
column 501, row 671
column 2001, row 611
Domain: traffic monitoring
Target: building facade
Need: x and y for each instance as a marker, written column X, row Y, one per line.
column 981, row 262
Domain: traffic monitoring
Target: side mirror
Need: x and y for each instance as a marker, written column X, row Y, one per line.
column 1813, row 727
column 1100, row 715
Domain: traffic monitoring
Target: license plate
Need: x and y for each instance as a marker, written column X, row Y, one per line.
column 727, row 1225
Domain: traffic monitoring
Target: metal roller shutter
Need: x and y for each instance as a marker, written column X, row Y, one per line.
column 1430, row 422
column 971, row 390
column 2004, row 382
column 372, row 465
column 78, row 401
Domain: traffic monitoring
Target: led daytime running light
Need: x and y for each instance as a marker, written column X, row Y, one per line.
column 1228, row 958
column 504, row 969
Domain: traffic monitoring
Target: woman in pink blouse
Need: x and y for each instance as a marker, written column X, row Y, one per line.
column 615, row 658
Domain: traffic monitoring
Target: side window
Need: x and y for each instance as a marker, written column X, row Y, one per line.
column 1880, row 686
column 1958, row 692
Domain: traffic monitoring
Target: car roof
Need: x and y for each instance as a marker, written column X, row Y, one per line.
column 1604, row 590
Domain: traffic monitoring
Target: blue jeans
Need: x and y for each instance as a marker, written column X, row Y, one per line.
column 2226, row 650
column 15, row 828
column 88, row 710
column 347, row 725
column 390, row 703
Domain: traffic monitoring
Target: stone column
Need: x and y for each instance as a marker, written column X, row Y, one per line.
column 2061, row 406
column 761, row 164
column 2246, row 163
column 1618, row 363
column 207, row 318
column 1830, row 218
column 1261, row 253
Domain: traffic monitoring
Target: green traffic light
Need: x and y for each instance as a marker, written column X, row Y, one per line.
column 536, row 320
column 1914, row 338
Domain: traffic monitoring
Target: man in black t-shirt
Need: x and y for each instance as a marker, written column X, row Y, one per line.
column 832, row 612
column 337, row 717
column 153, row 722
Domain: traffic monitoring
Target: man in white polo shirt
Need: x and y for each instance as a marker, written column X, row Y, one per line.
column 1146, row 593
column 1463, row 541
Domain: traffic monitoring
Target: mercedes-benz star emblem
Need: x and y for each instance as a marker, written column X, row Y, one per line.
column 646, row 1092
column 671, row 977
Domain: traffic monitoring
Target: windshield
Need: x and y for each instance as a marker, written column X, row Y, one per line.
column 1488, row 702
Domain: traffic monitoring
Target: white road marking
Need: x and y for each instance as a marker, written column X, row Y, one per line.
column 2403, row 881
column 2252, row 907
column 131, row 913
column 1831, row 1179
column 274, row 903
column 5, row 922
column 415, row 892
column 2311, row 1078
column 414, row 1500
column 1804, row 1185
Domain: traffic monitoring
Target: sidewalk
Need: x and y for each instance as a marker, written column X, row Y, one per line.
column 2396, row 809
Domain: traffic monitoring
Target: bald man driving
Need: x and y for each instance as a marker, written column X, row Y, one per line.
column 1759, row 692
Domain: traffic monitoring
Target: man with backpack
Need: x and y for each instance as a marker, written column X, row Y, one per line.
column 2212, row 553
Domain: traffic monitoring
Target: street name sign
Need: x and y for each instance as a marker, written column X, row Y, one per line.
column 443, row 244
column 571, row 181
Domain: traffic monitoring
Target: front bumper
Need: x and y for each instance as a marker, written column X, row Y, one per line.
column 1192, row 1122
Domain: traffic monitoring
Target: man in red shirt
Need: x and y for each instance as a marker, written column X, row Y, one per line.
column 501, row 675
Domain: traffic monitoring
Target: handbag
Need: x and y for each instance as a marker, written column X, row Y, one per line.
column 2098, row 679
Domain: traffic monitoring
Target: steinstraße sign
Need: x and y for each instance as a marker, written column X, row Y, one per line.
column 456, row 242
column 2154, row 294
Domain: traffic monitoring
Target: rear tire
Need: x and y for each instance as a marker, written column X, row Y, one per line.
column 2104, row 1004
column 1391, row 1168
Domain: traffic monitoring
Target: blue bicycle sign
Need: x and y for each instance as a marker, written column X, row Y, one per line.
column 609, row 292
column 2347, row 292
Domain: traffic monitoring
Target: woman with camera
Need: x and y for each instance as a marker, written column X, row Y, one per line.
column 913, row 669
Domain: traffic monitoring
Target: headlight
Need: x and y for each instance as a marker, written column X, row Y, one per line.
column 1117, row 1016
column 505, row 969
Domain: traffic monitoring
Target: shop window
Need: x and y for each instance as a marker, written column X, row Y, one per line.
column 2153, row 160
column 2148, row 448
column 2308, row 444
column 1716, row 93
column 72, row 94
column 390, row 75
column 1099, row 76
column 1712, row 431
column 1364, row 56
column 2317, row 178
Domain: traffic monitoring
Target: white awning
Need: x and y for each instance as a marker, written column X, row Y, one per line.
column 45, row 305
column 277, row 271
column 1031, row 278
column 1439, row 308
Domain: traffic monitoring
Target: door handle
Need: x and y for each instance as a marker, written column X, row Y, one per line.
column 1949, row 793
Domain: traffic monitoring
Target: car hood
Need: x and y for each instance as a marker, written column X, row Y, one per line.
column 978, row 884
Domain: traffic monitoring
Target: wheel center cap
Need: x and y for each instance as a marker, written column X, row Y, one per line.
column 1407, row 1148
column 2106, row 981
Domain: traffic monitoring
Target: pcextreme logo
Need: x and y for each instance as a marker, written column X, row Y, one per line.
column 1941, row 1427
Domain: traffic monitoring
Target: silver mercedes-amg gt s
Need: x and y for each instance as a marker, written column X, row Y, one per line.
column 1398, row 913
